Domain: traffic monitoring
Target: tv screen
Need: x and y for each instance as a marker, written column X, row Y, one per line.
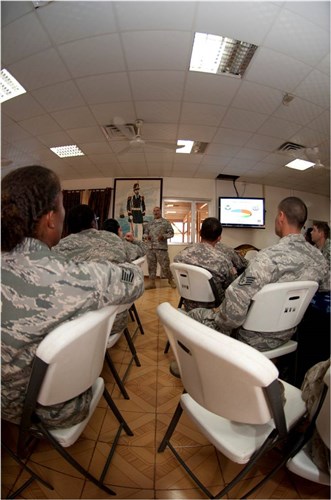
column 241, row 212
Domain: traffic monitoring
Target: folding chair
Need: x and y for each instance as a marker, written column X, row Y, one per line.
column 133, row 310
column 231, row 392
column 112, row 340
column 193, row 283
column 67, row 362
column 277, row 307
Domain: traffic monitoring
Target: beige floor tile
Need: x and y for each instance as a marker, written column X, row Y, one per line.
column 142, row 425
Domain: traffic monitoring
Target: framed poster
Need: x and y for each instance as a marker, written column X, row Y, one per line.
column 133, row 202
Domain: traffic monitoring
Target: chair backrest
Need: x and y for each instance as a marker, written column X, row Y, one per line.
column 74, row 354
column 323, row 419
column 250, row 254
column 225, row 376
column 279, row 306
column 194, row 283
column 140, row 261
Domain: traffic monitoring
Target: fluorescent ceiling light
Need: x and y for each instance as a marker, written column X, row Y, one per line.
column 67, row 151
column 300, row 164
column 219, row 54
column 9, row 86
column 188, row 145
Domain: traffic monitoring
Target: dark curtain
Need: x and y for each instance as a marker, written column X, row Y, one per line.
column 99, row 201
column 70, row 199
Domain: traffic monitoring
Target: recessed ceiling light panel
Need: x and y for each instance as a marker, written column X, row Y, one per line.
column 299, row 164
column 9, row 86
column 219, row 54
column 67, row 151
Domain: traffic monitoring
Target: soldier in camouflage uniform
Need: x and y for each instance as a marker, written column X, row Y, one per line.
column 86, row 243
column 41, row 289
column 204, row 254
column 292, row 259
column 320, row 236
column 133, row 248
column 238, row 262
column 156, row 233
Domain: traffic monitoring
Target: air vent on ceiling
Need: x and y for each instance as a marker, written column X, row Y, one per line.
column 114, row 133
column 290, row 146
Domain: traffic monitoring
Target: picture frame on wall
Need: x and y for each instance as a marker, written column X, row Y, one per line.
column 133, row 202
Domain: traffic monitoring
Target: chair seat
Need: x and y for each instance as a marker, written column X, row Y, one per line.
column 287, row 348
column 235, row 440
column 302, row 465
column 66, row 437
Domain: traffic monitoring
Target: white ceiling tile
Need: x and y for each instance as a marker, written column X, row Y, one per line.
column 156, row 111
column 308, row 137
column 243, row 120
column 92, row 134
column 299, row 111
column 298, row 38
column 255, row 97
column 96, row 148
column 22, row 38
column 103, row 158
column 263, row 142
column 157, row 50
column 39, row 70
column 29, row 145
column 324, row 65
column 92, row 56
column 74, row 118
column 245, row 21
column 278, row 128
column 154, row 15
column 23, row 106
column 66, row 21
column 14, row 10
column 159, row 132
column 322, row 123
column 222, row 149
column 251, row 154
column 213, row 89
column 315, row 12
column 232, row 137
column 276, row 70
column 196, row 133
column 59, row 96
column 55, row 139
column 110, row 87
column 205, row 114
column 40, row 124
column 157, row 85
column 104, row 113
column 315, row 88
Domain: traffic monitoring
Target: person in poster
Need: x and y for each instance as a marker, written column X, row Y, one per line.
column 136, row 209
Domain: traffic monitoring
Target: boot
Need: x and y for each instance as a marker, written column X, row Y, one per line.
column 174, row 369
column 150, row 285
column 172, row 283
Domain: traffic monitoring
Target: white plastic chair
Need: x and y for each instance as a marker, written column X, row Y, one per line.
column 112, row 341
column 68, row 361
column 301, row 463
column 232, row 394
column 277, row 307
column 194, row 283
column 250, row 254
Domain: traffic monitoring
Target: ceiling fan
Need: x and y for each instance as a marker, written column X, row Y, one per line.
column 136, row 142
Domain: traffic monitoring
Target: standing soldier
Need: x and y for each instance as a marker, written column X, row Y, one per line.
column 157, row 233
column 136, row 210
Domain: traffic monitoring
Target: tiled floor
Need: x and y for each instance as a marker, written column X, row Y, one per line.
column 137, row 470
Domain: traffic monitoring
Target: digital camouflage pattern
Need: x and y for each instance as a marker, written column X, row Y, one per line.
column 326, row 251
column 206, row 256
column 40, row 290
column 292, row 259
column 158, row 248
column 94, row 245
column 237, row 260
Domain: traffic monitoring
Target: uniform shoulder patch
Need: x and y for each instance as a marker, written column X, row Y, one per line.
column 246, row 280
column 127, row 275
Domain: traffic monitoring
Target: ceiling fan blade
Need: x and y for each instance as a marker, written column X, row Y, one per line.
column 121, row 125
column 163, row 145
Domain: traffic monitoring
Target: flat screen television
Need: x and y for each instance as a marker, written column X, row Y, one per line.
column 242, row 212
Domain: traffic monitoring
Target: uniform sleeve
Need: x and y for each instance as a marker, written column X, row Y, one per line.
column 135, row 249
column 233, row 310
column 169, row 232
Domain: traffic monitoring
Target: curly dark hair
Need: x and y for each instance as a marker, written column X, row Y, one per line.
column 111, row 225
column 27, row 194
column 80, row 218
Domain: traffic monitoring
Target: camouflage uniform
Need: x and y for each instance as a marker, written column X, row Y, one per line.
column 40, row 290
column 158, row 249
column 94, row 245
column 326, row 251
column 292, row 259
column 206, row 256
column 239, row 262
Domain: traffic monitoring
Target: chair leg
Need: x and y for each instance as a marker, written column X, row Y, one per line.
column 116, row 376
column 131, row 347
column 134, row 312
column 116, row 412
column 72, row 461
column 171, row 428
column 33, row 475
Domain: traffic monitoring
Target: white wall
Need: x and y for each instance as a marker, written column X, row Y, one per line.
column 210, row 189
